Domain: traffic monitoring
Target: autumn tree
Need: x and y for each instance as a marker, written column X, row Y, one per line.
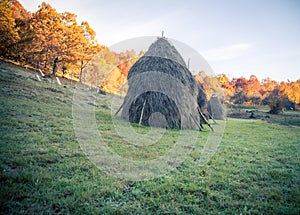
column 240, row 84
column 48, row 34
column 8, row 31
column 210, row 84
column 78, row 45
column 267, row 86
column 116, row 80
column 291, row 90
column 87, row 45
column 69, row 41
column 276, row 101
column 239, row 98
column 199, row 78
column 226, row 86
column 252, row 90
column 46, row 30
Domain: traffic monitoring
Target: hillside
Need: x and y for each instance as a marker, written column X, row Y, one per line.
column 43, row 169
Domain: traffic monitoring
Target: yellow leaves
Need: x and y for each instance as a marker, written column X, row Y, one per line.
column 8, row 31
column 291, row 90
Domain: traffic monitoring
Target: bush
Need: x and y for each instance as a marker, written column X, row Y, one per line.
column 275, row 107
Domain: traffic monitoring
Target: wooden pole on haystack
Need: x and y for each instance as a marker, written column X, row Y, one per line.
column 142, row 113
column 195, row 121
column 202, row 115
column 212, row 118
column 119, row 110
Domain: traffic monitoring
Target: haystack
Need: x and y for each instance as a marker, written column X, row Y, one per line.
column 162, row 91
column 215, row 108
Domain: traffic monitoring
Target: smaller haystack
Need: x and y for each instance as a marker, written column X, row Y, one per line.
column 215, row 108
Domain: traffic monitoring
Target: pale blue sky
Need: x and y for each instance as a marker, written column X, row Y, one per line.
column 236, row 37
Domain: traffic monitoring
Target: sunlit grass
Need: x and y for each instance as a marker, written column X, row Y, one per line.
column 43, row 169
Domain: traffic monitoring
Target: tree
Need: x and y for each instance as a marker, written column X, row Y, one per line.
column 267, row 86
column 88, row 46
column 274, row 102
column 253, row 87
column 253, row 90
column 51, row 34
column 199, row 78
column 239, row 98
column 69, row 40
column 8, row 31
column 46, row 29
column 210, row 84
column 240, row 84
column 226, row 86
column 291, row 90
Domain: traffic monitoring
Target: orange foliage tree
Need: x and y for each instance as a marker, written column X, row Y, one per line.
column 8, row 30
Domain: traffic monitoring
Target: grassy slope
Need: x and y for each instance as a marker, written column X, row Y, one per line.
column 42, row 168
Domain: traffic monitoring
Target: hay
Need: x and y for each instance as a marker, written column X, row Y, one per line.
column 162, row 91
column 215, row 108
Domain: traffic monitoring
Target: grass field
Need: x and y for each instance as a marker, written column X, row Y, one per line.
column 44, row 171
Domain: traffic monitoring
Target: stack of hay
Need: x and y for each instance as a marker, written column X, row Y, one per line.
column 162, row 92
column 215, row 108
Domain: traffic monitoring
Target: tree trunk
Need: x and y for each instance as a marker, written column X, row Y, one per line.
column 80, row 74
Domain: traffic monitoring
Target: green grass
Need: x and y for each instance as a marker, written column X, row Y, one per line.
column 288, row 118
column 43, row 169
